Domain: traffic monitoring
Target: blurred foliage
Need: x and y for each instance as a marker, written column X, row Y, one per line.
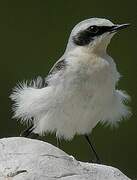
column 33, row 35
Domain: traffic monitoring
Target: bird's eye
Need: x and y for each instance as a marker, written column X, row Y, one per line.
column 93, row 29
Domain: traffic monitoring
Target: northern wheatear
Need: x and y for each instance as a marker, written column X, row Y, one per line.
column 80, row 89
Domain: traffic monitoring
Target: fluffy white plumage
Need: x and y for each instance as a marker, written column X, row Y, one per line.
column 79, row 95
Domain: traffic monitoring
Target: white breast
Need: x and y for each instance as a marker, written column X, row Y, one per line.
column 81, row 96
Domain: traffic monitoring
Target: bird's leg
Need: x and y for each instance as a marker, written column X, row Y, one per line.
column 28, row 132
column 58, row 143
column 93, row 149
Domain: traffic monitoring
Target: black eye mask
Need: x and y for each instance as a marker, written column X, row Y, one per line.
column 84, row 37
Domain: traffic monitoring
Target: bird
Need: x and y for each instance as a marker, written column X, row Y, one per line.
column 80, row 90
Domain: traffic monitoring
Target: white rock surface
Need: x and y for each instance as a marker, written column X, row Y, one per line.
column 27, row 159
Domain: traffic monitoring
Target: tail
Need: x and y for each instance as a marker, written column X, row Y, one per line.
column 28, row 99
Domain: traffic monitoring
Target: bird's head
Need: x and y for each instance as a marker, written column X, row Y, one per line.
column 94, row 34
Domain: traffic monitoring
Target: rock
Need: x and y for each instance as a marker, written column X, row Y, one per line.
column 29, row 159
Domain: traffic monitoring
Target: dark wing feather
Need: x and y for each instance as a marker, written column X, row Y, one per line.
column 59, row 65
column 43, row 82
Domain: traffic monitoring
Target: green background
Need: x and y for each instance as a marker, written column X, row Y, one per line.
column 33, row 35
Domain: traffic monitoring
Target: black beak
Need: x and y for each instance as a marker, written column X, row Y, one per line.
column 118, row 27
